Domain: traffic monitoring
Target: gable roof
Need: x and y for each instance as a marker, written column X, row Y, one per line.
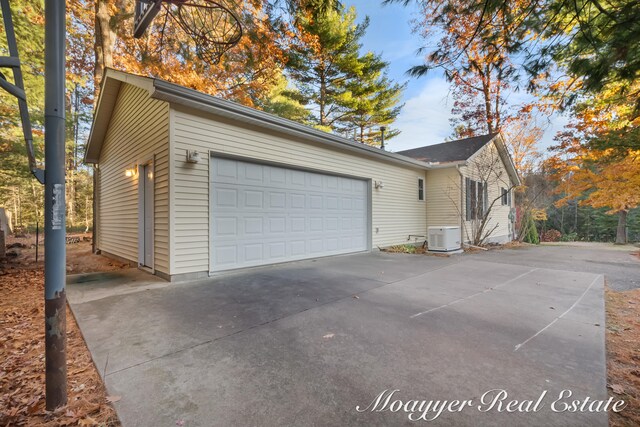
column 461, row 151
column 453, row 151
column 183, row 96
column 458, row 151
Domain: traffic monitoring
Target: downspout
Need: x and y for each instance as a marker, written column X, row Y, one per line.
column 461, row 206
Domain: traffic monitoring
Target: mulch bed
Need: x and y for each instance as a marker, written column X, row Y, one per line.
column 623, row 354
column 22, row 382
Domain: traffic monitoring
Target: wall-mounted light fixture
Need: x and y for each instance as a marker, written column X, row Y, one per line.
column 131, row 172
column 378, row 184
column 193, row 156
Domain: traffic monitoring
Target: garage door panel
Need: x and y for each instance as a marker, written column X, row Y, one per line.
column 226, row 171
column 263, row 214
column 252, row 173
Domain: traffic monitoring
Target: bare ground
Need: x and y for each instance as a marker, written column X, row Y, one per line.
column 22, row 347
column 623, row 354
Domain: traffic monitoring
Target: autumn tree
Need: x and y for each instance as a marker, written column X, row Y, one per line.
column 474, row 58
column 612, row 184
column 590, row 40
column 245, row 74
column 522, row 136
column 599, row 177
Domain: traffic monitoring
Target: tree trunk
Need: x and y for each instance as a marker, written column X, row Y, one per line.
column 321, row 102
column 621, row 235
column 104, row 42
column 37, row 199
column 71, row 201
column 486, row 92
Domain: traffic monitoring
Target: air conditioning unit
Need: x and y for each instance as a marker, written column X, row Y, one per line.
column 444, row 239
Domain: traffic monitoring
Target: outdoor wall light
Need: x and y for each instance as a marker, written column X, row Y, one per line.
column 193, row 156
column 132, row 172
column 379, row 185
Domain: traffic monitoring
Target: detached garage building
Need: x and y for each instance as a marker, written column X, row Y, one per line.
column 188, row 184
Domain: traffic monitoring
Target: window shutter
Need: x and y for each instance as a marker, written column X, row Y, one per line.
column 480, row 208
column 467, row 192
column 485, row 199
column 474, row 198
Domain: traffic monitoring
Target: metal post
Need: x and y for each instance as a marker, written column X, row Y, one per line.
column 382, row 129
column 54, row 206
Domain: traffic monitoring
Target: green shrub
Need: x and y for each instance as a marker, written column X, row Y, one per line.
column 531, row 232
column 569, row 237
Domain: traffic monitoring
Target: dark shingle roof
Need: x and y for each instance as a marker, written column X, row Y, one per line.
column 452, row 151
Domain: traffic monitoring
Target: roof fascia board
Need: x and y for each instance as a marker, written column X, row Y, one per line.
column 142, row 82
column 447, row 164
column 504, row 156
column 176, row 94
column 511, row 167
column 111, row 82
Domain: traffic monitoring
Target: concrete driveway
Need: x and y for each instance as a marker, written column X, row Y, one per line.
column 308, row 343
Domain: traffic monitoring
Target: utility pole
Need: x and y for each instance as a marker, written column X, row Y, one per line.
column 54, row 205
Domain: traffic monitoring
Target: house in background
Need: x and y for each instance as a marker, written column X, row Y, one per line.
column 470, row 184
column 188, row 184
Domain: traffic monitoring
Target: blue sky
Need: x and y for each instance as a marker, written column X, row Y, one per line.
column 425, row 117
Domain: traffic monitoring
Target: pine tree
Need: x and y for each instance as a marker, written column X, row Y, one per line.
column 284, row 101
column 347, row 92
column 322, row 61
column 375, row 102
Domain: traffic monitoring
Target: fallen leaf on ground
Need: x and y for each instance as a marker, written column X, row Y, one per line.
column 112, row 399
column 88, row 422
column 617, row 388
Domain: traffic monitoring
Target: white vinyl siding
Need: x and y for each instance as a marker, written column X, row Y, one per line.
column 498, row 179
column 138, row 131
column 443, row 197
column 396, row 211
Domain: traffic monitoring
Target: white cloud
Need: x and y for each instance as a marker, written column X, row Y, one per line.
column 424, row 120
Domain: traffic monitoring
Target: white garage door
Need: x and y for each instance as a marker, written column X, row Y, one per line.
column 266, row 214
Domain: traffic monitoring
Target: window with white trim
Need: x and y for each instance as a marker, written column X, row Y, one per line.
column 476, row 197
column 506, row 197
column 420, row 189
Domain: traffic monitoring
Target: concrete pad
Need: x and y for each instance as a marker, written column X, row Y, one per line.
column 306, row 343
column 95, row 286
column 621, row 268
